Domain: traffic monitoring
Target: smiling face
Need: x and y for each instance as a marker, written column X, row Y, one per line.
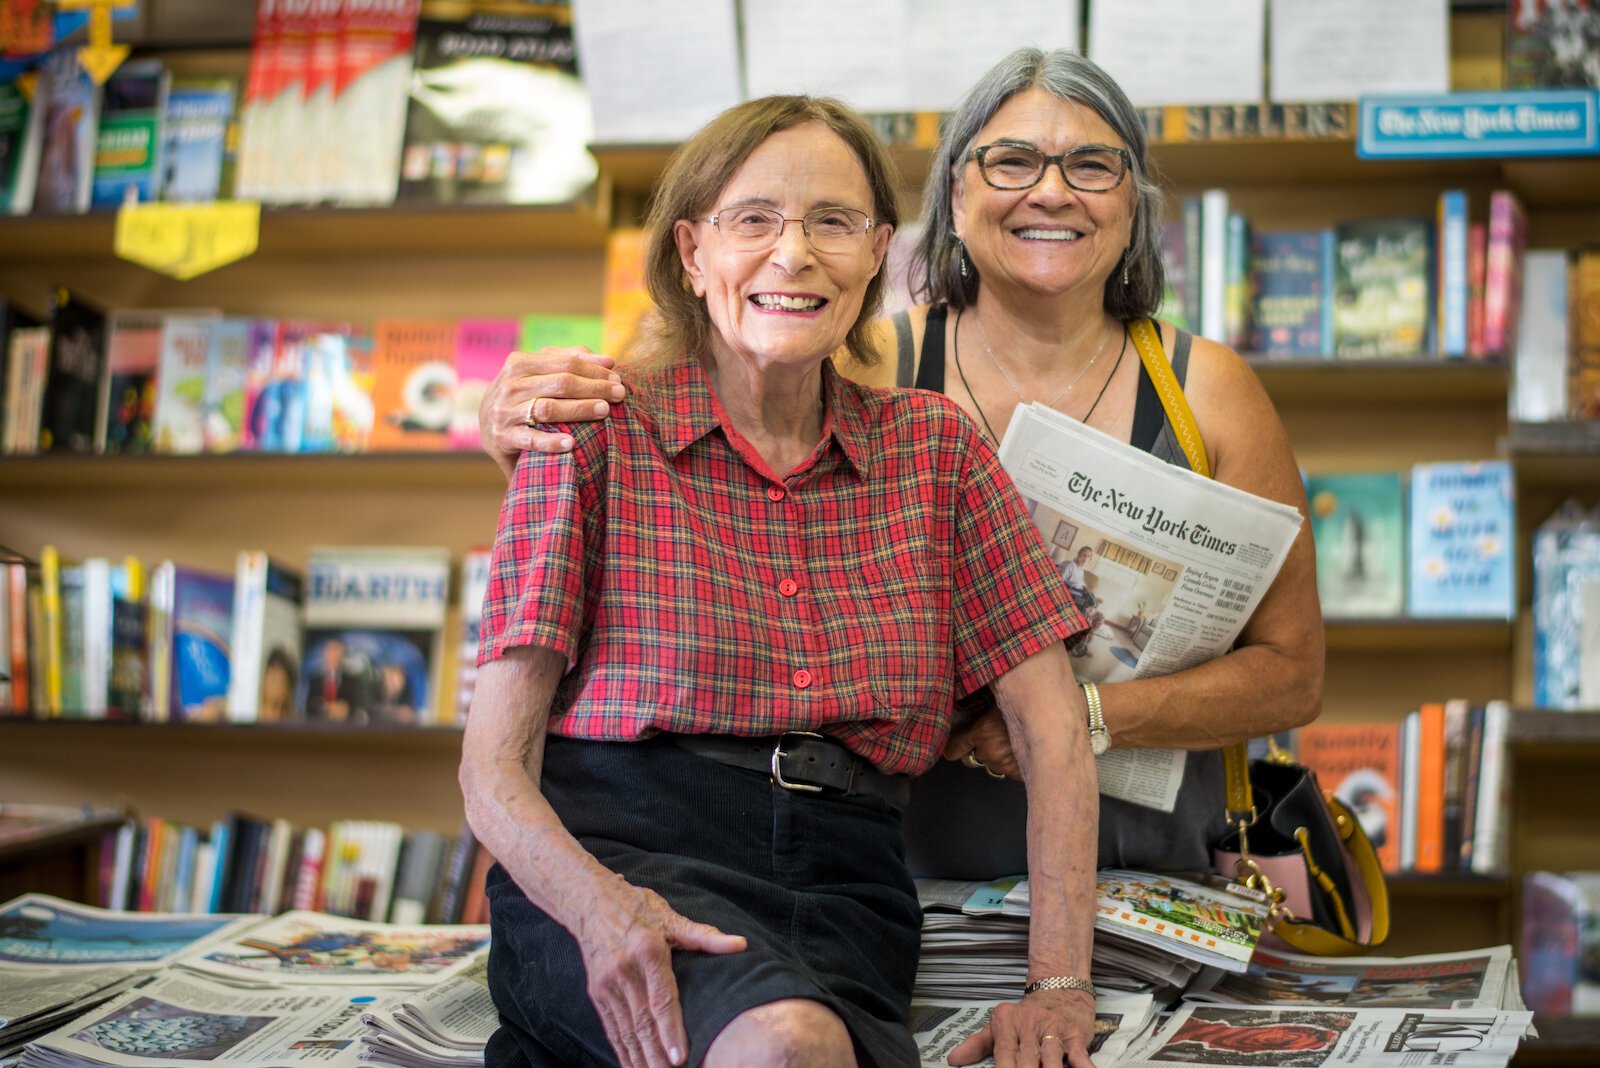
column 788, row 304
column 1051, row 238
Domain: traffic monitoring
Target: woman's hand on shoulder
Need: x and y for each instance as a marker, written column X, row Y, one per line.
column 1046, row 1029
column 552, row 385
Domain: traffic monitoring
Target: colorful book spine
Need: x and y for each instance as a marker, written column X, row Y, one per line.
column 1451, row 329
column 1502, row 286
column 1477, row 267
column 1430, row 787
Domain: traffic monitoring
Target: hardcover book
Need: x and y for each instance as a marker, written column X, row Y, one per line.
column 1358, row 524
column 498, row 114
column 192, row 620
column 1293, row 284
column 1543, row 360
column 474, row 586
column 1359, row 763
column 1463, row 535
column 413, row 383
column 1559, row 939
column 199, row 111
column 374, row 621
column 127, row 401
column 1477, row 271
column 128, row 144
column 481, row 348
column 1382, row 305
column 77, row 364
column 267, row 597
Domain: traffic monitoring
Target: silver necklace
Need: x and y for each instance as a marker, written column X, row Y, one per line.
column 983, row 339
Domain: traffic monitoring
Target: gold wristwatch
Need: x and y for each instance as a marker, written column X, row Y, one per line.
column 1099, row 737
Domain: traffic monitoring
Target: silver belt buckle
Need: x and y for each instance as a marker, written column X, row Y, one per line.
column 778, row 754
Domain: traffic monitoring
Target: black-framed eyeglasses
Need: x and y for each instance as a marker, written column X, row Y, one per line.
column 1087, row 168
column 752, row 229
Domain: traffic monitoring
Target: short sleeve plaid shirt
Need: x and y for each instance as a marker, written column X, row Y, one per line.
column 694, row 590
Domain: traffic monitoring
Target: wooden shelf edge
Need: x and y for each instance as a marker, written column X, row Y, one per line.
column 239, row 737
column 1573, row 733
column 1410, row 634
column 1448, row 884
column 1324, row 380
column 56, row 472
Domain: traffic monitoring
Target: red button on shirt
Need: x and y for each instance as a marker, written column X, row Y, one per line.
column 788, row 587
column 775, row 493
column 802, row 678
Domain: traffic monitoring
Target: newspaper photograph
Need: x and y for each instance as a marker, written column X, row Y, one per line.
column 37, row 929
column 940, row 1026
column 179, row 1019
column 1470, row 980
column 312, row 947
column 1165, row 564
column 1226, row 1037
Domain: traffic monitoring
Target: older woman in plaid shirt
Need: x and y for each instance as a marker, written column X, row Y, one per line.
column 723, row 632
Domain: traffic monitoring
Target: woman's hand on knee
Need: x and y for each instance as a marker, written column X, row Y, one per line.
column 985, row 745
column 553, row 385
column 627, row 940
column 1047, row 1029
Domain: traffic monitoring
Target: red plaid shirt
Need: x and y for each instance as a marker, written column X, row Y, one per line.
column 694, row 590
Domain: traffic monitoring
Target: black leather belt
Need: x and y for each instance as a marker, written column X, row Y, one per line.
column 801, row 760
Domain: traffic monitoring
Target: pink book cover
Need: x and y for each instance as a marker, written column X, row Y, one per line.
column 481, row 347
column 1477, row 264
column 1502, row 284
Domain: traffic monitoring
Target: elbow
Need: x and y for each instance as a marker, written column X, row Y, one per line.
column 1303, row 697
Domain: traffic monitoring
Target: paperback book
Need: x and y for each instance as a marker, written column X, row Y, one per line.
column 1359, row 763
column 265, row 672
column 1358, row 521
column 413, row 383
column 1463, row 534
column 1382, row 305
column 127, row 399
column 374, row 621
column 481, row 348
column 195, row 135
column 128, row 144
column 71, row 103
column 192, row 624
column 180, row 414
column 1293, row 285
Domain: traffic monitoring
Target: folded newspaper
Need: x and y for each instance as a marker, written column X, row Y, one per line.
column 940, row 1026
column 1472, row 979
column 1167, row 565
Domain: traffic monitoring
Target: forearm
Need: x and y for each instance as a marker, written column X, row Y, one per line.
column 502, row 753
column 1045, row 715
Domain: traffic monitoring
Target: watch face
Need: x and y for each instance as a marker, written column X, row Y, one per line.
column 1099, row 741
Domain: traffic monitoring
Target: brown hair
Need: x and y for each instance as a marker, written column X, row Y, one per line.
column 699, row 170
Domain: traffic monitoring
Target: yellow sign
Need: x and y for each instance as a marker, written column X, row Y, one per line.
column 185, row 240
column 100, row 57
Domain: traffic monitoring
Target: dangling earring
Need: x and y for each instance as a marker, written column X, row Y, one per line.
column 962, row 260
column 1125, row 269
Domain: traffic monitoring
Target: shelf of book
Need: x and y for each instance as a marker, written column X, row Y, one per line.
column 1394, row 382
column 1406, row 635
column 47, row 474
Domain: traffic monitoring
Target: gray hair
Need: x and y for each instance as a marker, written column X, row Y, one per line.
column 936, row 260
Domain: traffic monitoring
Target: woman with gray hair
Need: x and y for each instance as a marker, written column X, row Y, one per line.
column 1039, row 261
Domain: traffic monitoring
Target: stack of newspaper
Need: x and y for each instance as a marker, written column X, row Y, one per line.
column 59, row 959
column 1121, row 1021
column 301, row 988
column 1158, row 933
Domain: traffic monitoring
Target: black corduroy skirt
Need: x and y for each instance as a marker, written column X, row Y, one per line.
column 816, row 882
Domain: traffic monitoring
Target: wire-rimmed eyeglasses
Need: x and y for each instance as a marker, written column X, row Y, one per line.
column 1087, row 168
column 754, row 229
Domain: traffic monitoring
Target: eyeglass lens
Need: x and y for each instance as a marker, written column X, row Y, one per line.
column 828, row 229
column 1018, row 167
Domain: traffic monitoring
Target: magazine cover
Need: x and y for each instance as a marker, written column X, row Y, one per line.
column 1358, row 521
column 1468, row 980
column 1218, row 925
column 40, row 929
column 374, row 620
column 413, row 383
column 313, row 947
column 481, row 348
column 128, row 145
column 196, row 138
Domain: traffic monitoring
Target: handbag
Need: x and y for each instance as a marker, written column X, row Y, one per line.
column 1302, row 847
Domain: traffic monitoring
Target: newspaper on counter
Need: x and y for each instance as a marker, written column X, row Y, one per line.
column 1474, row 979
column 312, row 948
column 179, row 1018
column 1178, row 564
column 939, row 1026
column 1225, row 1036
column 450, row 1021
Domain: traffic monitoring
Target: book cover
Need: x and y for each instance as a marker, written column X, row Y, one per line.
column 284, row 111
column 321, row 155
column 1451, row 281
column 327, row 374
column 1193, row 274
column 265, row 640
column 129, row 142
column 275, row 387
column 474, row 586
column 374, row 621
column 1359, row 763
column 498, row 114
column 1583, row 391
column 94, row 649
column 1291, row 283
column 1463, row 540
column 69, row 582
column 353, row 412
column 1540, row 362
column 1382, row 305
column 198, row 625
column 1358, row 523
column 624, row 300
column 127, row 401
column 371, row 97
column 562, row 331
column 27, row 372
column 482, row 346
column 71, row 102
column 23, row 681
column 21, row 136
column 12, row 318
column 179, row 423
column 195, row 138
column 77, row 363
column 233, row 341
column 49, row 644
column 1477, row 269
column 255, row 151
column 1502, row 283
column 1471, row 777
column 413, row 383
column 1554, row 912
column 1550, row 44
column 262, row 393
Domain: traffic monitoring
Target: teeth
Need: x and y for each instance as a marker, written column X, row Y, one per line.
column 775, row 300
column 1049, row 235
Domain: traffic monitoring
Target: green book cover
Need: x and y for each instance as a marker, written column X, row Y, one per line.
column 1358, row 522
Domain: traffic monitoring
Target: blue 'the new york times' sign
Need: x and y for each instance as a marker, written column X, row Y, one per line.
column 1549, row 122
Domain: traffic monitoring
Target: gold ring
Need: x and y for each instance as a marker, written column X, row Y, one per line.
column 971, row 760
column 994, row 774
column 1047, row 1038
column 530, row 420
